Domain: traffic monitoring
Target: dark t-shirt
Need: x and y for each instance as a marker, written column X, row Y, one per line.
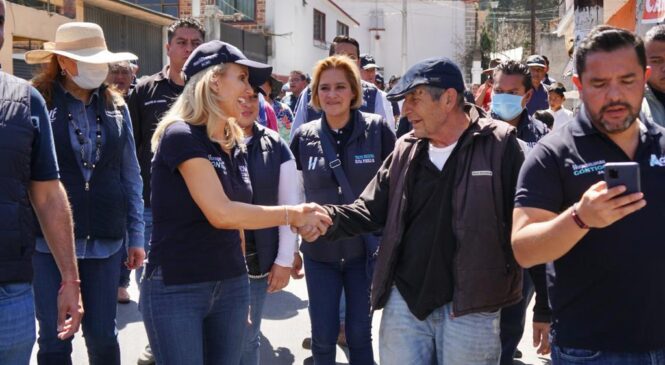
column 187, row 247
column 607, row 292
column 43, row 162
column 147, row 103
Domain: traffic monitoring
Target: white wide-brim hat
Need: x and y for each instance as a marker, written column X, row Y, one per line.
column 79, row 41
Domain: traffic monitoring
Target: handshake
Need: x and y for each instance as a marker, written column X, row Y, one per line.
column 310, row 221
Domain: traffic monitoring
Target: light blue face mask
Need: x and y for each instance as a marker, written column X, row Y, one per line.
column 506, row 106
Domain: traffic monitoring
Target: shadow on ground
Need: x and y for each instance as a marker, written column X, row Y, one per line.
column 128, row 313
column 283, row 305
column 272, row 356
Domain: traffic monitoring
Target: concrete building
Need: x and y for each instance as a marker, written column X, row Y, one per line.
column 434, row 29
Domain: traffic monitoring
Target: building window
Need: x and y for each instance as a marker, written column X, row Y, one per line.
column 319, row 26
column 244, row 10
column 169, row 7
column 66, row 8
column 342, row 29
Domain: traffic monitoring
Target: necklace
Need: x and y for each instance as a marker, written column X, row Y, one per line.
column 81, row 139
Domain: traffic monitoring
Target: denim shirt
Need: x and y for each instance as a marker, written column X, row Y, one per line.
column 84, row 116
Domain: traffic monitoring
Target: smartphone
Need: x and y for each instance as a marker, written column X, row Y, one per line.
column 623, row 173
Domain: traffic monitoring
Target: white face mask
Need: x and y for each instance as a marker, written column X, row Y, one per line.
column 90, row 75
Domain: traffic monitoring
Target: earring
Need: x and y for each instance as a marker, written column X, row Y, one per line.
column 62, row 72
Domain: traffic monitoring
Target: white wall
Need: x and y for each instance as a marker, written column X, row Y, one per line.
column 434, row 29
column 292, row 24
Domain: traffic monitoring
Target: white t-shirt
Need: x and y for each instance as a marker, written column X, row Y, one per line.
column 561, row 117
column 439, row 155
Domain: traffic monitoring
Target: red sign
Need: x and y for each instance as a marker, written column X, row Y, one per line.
column 654, row 11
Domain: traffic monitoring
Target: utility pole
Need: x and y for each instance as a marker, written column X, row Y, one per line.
column 404, row 47
column 533, row 26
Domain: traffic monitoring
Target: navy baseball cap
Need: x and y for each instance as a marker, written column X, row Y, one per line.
column 536, row 60
column 367, row 62
column 217, row 52
column 439, row 72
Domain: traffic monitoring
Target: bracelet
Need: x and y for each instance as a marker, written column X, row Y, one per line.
column 286, row 213
column 576, row 218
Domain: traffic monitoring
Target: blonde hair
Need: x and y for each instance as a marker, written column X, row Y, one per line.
column 199, row 105
column 350, row 69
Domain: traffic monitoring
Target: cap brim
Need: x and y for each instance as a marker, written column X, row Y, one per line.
column 258, row 72
column 399, row 91
column 370, row 66
column 87, row 56
column 489, row 70
column 536, row 65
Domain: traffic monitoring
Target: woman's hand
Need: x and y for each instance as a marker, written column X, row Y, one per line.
column 310, row 220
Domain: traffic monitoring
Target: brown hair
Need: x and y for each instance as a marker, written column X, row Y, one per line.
column 350, row 69
column 51, row 72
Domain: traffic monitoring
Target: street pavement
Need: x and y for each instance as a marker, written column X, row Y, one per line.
column 285, row 324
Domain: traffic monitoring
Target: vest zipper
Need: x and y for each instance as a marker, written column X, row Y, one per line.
column 87, row 202
column 87, row 186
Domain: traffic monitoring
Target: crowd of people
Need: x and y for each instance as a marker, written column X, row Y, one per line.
column 447, row 206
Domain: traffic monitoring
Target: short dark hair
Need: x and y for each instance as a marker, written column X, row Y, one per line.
column 605, row 38
column 656, row 33
column 185, row 23
column 344, row 39
column 511, row 67
column 545, row 117
column 303, row 76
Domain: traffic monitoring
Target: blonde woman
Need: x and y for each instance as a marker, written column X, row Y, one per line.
column 195, row 294
column 350, row 145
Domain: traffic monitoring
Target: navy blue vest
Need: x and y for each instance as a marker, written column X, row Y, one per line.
column 264, row 162
column 17, row 240
column 369, row 101
column 362, row 159
column 99, row 211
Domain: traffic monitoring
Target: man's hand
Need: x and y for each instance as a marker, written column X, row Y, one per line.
column 69, row 304
column 135, row 257
column 600, row 207
column 541, row 339
column 278, row 278
column 296, row 269
column 310, row 221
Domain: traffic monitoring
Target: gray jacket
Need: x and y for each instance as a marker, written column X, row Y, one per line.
column 652, row 108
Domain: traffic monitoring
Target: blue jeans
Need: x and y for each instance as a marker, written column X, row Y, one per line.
column 513, row 321
column 195, row 324
column 571, row 356
column 17, row 323
column 471, row 339
column 325, row 281
column 99, row 292
column 147, row 218
column 257, row 297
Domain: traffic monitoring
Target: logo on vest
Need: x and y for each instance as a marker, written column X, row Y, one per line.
column 312, row 162
column 156, row 101
column 588, row 168
column 217, row 163
column 114, row 113
column 657, row 161
column 363, row 159
column 481, row 173
column 52, row 113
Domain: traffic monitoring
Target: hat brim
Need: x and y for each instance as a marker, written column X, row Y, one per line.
column 258, row 72
column 370, row 66
column 536, row 65
column 487, row 71
column 399, row 91
column 94, row 56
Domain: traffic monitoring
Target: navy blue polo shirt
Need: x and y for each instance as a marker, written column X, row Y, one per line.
column 538, row 100
column 608, row 292
column 186, row 246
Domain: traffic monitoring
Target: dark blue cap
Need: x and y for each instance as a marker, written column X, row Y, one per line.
column 536, row 60
column 438, row 72
column 367, row 62
column 217, row 52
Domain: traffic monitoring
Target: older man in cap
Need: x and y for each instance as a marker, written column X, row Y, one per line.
column 444, row 200
column 538, row 69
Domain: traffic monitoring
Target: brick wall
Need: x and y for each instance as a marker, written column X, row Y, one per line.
column 259, row 23
column 185, row 8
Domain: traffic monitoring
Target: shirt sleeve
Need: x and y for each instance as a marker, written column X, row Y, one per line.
column 43, row 161
column 300, row 113
column 383, row 108
column 287, row 194
column 179, row 145
column 539, row 182
column 295, row 148
column 130, row 176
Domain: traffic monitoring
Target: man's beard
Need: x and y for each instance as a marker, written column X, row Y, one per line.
column 609, row 127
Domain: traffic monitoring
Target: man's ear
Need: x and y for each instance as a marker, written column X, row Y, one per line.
column 527, row 97
column 577, row 82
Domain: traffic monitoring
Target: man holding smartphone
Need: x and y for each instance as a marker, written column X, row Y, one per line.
column 604, row 248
